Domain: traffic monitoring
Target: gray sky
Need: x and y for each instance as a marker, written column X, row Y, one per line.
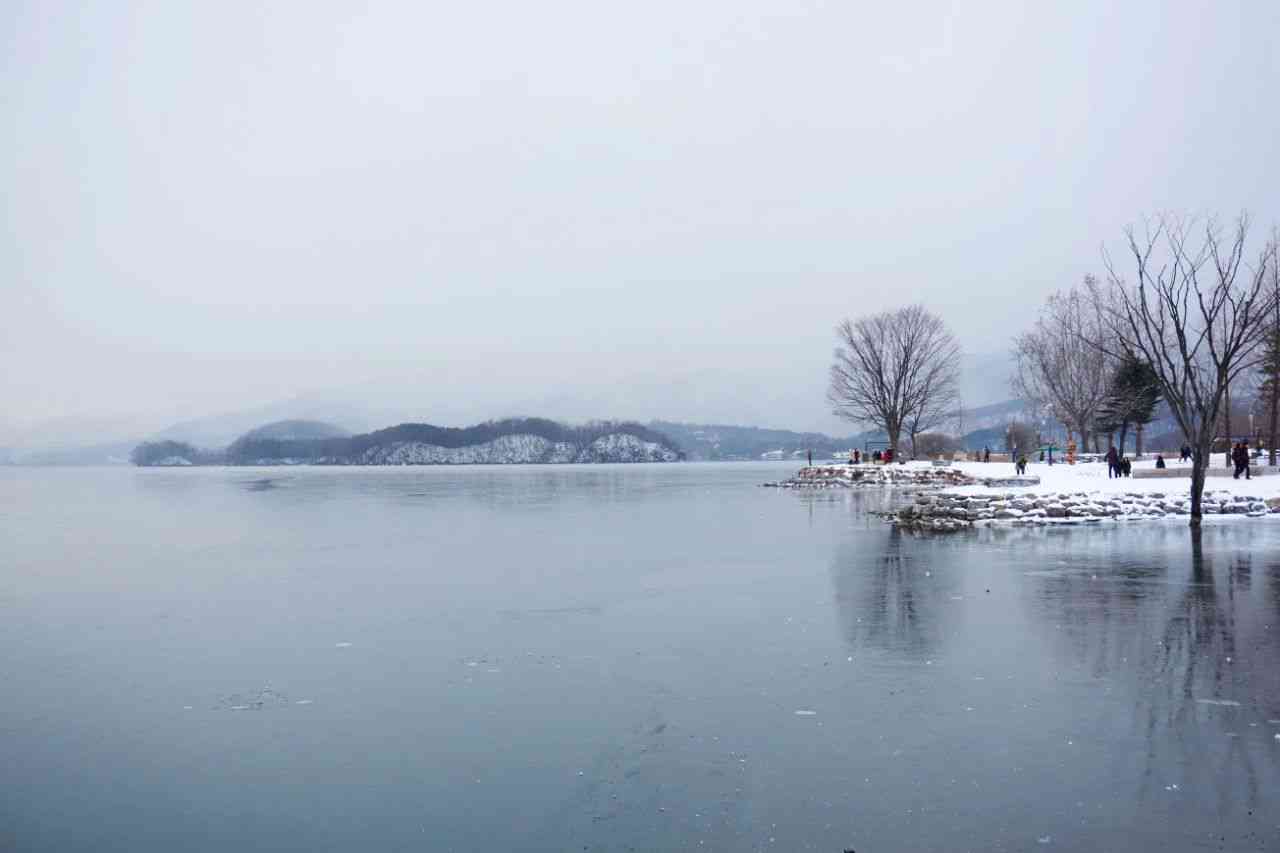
column 580, row 209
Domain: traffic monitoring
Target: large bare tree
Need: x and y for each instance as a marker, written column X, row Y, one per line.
column 898, row 370
column 1197, row 311
column 1058, row 370
column 1269, row 391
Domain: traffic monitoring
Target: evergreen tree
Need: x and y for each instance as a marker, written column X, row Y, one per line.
column 1132, row 396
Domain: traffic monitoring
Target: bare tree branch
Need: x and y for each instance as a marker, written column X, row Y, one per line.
column 1058, row 366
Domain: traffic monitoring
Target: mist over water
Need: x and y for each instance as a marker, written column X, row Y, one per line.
column 613, row 658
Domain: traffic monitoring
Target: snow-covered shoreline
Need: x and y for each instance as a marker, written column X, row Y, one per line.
column 965, row 494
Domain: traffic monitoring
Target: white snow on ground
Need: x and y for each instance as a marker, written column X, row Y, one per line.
column 1091, row 478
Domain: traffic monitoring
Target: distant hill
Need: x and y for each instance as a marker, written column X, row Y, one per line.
column 982, row 426
column 511, row 441
column 723, row 442
column 295, row 430
column 222, row 429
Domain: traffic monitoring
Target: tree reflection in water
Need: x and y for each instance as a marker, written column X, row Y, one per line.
column 889, row 596
column 1183, row 631
column 1133, row 642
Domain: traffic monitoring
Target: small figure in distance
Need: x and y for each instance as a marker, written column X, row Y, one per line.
column 1021, row 466
column 1160, row 460
column 810, row 458
column 986, row 454
column 1125, row 466
column 1186, row 453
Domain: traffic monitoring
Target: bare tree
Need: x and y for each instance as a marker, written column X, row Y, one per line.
column 934, row 444
column 1197, row 312
column 897, row 370
column 1058, row 369
column 1270, row 387
column 1019, row 437
column 939, row 399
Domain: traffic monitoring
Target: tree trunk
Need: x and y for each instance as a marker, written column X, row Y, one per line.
column 1137, row 440
column 1124, row 435
column 1226, row 415
column 1275, row 415
column 1275, row 379
column 1198, row 463
column 895, row 434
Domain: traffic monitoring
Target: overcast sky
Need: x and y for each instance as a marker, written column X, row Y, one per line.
column 642, row 210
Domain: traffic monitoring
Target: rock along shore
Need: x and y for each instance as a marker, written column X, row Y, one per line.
column 946, row 512
column 942, row 502
column 849, row 476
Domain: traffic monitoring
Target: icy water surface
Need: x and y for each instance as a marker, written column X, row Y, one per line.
column 616, row 658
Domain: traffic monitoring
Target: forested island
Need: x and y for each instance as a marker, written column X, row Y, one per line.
column 510, row 441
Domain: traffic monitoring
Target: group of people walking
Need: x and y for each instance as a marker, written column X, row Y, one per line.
column 1118, row 465
column 1240, row 457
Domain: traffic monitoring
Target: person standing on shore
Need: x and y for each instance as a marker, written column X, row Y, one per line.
column 1240, row 455
column 1113, row 463
column 810, row 458
column 986, row 454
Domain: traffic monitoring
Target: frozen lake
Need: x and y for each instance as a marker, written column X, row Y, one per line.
column 616, row 658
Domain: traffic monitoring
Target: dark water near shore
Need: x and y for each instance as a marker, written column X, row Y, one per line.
column 613, row 658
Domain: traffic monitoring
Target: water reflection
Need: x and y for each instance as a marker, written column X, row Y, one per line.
column 551, row 659
column 1159, row 645
column 889, row 597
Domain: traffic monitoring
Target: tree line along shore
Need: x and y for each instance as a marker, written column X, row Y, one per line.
column 1184, row 320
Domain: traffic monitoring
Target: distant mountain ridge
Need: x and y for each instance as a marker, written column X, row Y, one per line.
column 724, row 442
column 511, row 441
column 317, row 419
column 977, row 427
column 295, row 430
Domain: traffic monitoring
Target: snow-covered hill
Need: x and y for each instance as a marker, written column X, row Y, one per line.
column 518, row 449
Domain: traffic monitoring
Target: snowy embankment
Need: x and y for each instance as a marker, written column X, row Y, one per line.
column 951, row 511
column 968, row 493
column 911, row 474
